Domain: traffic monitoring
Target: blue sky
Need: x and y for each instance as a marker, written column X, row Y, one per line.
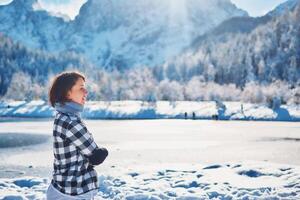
column 257, row 7
column 71, row 7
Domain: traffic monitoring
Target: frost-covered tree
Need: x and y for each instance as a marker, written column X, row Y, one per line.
column 23, row 88
column 170, row 91
column 37, row 64
column 269, row 52
column 140, row 84
column 253, row 93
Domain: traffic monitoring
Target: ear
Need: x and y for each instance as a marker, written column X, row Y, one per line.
column 68, row 94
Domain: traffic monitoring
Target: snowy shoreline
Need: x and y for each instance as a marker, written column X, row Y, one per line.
column 158, row 110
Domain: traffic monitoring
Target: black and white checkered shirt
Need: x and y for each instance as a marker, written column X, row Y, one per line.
column 73, row 174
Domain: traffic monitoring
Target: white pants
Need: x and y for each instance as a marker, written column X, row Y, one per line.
column 54, row 194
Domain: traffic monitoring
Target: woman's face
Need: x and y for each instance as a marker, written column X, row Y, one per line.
column 78, row 92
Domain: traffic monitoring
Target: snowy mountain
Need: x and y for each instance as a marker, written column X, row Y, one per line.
column 243, row 50
column 114, row 33
column 243, row 24
column 144, row 32
column 282, row 8
column 235, row 25
column 36, row 29
column 241, row 59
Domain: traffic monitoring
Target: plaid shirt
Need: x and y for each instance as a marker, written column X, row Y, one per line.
column 73, row 174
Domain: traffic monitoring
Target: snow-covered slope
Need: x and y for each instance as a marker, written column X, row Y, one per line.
column 249, row 180
column 288, row 5
column 144, row 32
column 117, row 33
column 245, row 49
column 34, row 28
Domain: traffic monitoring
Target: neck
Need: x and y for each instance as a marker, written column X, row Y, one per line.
column 70, row 107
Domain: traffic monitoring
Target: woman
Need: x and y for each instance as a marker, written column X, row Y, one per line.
column 75, row 151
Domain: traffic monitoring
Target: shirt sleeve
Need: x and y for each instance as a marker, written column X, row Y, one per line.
column 79, row 136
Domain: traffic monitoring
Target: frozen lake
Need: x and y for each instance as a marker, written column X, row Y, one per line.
column 136, row 145
column 163, row 142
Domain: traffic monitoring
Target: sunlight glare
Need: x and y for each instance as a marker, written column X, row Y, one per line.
column 177, row 7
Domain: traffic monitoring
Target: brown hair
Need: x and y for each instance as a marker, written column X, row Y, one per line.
column 61, row 85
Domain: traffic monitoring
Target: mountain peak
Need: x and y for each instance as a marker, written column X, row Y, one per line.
column 288, row 5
